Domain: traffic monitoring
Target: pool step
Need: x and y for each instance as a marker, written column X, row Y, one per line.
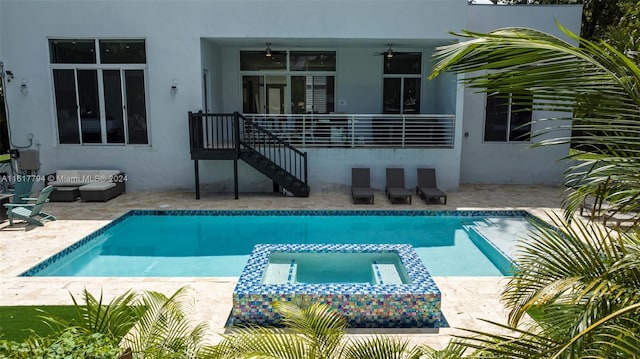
column 385, row 273
column 281, row 273
column 469, row 223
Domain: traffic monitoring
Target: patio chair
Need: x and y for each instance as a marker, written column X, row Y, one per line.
column 22, row 189
column 361, row 185
column 395, row 188
column 631, row 218
column 31, row 212
column 594, row 207
column 427, row 187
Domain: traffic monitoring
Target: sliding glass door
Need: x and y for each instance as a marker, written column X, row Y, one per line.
column 296, row 82
column 312, row 94
column 264, row 94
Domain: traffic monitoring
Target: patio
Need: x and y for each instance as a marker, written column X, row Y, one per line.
column 465, row 300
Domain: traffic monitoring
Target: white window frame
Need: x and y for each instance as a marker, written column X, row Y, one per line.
column 508, row 125
column 99, row 68
column 288, row 73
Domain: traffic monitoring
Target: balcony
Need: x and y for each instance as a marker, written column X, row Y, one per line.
column 360, row 130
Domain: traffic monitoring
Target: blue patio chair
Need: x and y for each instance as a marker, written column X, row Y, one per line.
column 22, row 189
column 31, row 212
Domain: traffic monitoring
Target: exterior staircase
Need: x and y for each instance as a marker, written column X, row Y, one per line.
column 277, row 174
column 232, row 136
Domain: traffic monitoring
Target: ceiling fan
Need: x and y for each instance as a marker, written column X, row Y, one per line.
column 389, row 53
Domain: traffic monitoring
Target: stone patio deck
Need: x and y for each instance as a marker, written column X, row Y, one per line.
column 465, row 300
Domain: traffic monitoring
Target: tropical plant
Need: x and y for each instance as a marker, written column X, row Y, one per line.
column 151, row 324
column 114, row 319
column 164, row 330
column 69, row 343
column 624, row 34
column 314, row 331
column 582, row 281
column 594, row 80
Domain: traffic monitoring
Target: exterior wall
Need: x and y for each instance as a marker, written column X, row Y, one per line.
column 512, row 162
column 213, row 68
column 185, row 37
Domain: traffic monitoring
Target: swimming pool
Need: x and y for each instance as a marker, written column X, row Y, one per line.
column 150, row 243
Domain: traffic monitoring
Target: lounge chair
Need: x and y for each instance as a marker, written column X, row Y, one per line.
column 427, row 187
column 595, row 208
column 361, row 185
column 395, row 188
column 631, row 218
column 31, row 212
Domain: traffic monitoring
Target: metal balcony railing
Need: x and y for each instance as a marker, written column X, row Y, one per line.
column 360, row 130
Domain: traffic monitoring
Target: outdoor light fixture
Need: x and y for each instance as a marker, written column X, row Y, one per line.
column 23, row 88
column 267, row 52
column 174, row 87
column 389, row 52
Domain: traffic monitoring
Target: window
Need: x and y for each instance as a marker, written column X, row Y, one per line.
column 401, row 83
column 72, row 51
column 312, row 94
column 508, row 118
column 313, row 61
column 99, row 89
column 303, row 79
column 257, row 61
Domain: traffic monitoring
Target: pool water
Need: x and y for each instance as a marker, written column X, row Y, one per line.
column 335, row 267
column 218, row 243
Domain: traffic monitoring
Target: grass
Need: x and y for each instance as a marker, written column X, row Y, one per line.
column 20, row 322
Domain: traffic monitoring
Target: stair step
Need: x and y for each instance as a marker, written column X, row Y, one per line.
column 289, row 182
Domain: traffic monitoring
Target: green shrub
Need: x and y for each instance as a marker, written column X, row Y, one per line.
column 70, row 343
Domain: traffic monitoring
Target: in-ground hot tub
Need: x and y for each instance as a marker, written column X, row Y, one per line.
column 372, row 285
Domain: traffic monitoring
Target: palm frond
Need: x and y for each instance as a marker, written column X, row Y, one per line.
column 604, row 339
column 572, row 264
column 164, row 327
column 595, row 81
column 520, row 344
column 453, row 350
column 253, row 341
column 93, row 316
column 318, row 323
column 379, row 347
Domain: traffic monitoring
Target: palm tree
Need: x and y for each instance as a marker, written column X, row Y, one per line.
column 310, row 331
column 596, row 82
column 580, row 281
column 150, row 324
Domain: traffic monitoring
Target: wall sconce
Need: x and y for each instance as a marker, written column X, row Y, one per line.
column 23, row 88
column 174, row 88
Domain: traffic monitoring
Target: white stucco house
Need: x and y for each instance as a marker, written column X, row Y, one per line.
column 110, row 83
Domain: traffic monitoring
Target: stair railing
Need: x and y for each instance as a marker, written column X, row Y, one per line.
column 211, row 131
column 257, row 138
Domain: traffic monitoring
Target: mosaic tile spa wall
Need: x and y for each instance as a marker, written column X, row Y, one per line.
column 413, row 305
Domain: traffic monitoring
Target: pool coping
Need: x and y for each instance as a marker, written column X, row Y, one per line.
column 32, row 272
column 250, row 280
